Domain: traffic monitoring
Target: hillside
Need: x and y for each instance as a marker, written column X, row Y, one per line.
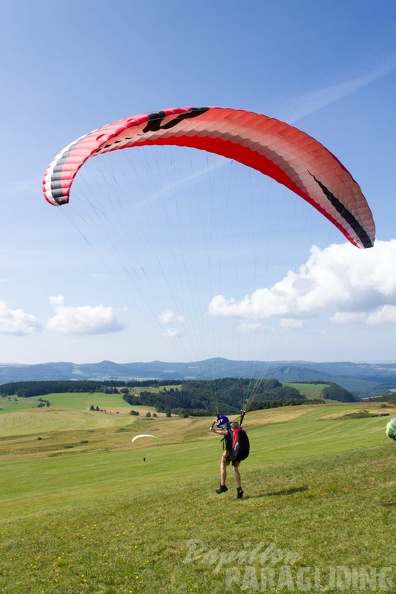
column 362, row 379
column 85, row 510
column 188, row 397
column 82, row 509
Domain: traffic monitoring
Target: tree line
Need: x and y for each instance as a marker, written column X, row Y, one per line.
column 28, row 389
column 207, row 397
column 186, row 397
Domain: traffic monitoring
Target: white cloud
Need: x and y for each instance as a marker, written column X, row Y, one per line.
column 16, row 321
column 173, row 333
column 349, row 284
column 350, row 317
column 174, row 321
column 384, row 315
column 85, row 319
column 169, row 317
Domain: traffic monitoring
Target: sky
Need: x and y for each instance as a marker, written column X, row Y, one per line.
column 178, row 255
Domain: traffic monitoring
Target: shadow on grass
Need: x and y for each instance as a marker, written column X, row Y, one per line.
column 290, row 491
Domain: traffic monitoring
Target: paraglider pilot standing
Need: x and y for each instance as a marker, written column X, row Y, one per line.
column 232, row 433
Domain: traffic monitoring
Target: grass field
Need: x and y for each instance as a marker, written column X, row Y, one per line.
column 74, row 400
column 84, row 510
column 309, row 390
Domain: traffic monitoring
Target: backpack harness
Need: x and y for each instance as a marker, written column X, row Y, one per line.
column 236, row 443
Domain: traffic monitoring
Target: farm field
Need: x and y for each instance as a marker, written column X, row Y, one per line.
column 84, row 510
column 74, row 400
column 309, row 390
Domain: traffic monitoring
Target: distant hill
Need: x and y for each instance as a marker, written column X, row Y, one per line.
column 362, row 379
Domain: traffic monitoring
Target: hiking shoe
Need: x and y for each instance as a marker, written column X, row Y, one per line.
column 239, row 493
column 222, row 489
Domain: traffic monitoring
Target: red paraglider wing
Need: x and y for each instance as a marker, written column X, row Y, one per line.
column 274, row 148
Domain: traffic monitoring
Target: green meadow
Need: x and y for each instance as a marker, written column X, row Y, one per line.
column 82, row 509
column 309, row 390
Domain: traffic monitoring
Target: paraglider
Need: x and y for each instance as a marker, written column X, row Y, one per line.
column 144, row 435
column 391, row 429
column 275, row 148
column 172, row 288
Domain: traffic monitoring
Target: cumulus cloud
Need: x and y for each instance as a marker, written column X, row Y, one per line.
column 84, row 319
column 175, row 323
column 348, row 284
column 173, row 333
column 350, row 317
column 384, row 315
column 169, row 317
column 16, row 321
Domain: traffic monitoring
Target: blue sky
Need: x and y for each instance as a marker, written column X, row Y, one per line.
column 184, row 272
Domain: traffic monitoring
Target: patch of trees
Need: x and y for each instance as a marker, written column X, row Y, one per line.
column 313, row 383
column 185, row 398
column 206, row 397
column 336, row 392
column 152, row 383
column 263, row 404
column 390, row 398
column 41, row 388
column 27, row 389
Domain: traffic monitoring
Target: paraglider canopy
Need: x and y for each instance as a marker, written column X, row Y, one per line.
column 179, row 255
column 144, row 435
column 391, row 429
column 270, row 146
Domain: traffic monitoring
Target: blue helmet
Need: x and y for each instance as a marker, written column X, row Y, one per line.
column 221, row 420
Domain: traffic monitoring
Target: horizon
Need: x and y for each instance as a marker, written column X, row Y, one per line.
column 272, row 362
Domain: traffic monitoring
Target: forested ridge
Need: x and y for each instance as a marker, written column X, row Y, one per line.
column 187, row 397
column 42, row 388
column 227, row 395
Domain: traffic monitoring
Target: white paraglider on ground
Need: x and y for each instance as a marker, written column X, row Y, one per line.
column 144, row 435
column 391, row 428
